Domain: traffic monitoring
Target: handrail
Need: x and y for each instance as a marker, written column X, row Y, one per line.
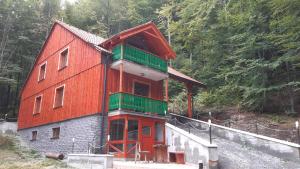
column 140, row 56
column 143, row 51
column 112, row 93
column 136, row 103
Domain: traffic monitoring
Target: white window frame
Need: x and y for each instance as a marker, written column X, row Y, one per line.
column 45, row 63
column 59, row 58
column 35, row 105
column 63, row 96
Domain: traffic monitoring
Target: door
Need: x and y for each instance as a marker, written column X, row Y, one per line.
column 147, row 139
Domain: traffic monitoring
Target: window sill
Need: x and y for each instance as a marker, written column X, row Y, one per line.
column 40, row 80
column 57, row 107
column 36, row 114
column 62, row 68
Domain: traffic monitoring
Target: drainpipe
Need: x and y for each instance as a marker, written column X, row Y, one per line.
column 103, row 107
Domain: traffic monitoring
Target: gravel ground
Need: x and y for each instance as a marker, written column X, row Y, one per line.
column 236, row 156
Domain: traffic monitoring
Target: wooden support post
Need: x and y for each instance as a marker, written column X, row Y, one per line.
column 189, row 93
column 126, row 137
column 167, row 90
column 121, row 78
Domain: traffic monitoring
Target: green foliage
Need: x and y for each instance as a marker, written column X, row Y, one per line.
column 247, row 52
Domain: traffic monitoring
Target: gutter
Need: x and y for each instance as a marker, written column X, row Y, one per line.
column 106, row 58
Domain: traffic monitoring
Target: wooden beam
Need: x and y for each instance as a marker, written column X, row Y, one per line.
column 133, row 33
column 152, row 35
column 189, row 94
column 167, row 89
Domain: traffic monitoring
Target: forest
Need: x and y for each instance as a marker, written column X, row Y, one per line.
column 247, row 52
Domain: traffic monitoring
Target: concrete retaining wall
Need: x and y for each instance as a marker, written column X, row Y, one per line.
column 278, row 148
column 105, row 160
column 8, row 127
column 83, row 130
column 195, row 148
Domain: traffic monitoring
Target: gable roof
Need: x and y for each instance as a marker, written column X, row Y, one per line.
column 149, row 29
column 86, row 36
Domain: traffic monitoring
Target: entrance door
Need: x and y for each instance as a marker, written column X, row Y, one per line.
column 147, row 140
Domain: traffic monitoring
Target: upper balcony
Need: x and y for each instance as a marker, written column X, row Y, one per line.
column 139, row 62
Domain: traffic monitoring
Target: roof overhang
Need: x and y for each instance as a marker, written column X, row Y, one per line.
column 176, row 75
column 150, row 34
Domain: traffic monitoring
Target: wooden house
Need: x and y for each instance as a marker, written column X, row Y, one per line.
column 85, row 92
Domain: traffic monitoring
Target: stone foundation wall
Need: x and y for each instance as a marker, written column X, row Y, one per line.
column 84, row 130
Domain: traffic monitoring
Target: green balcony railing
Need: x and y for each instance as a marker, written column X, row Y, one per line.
column 139, row 56
column 137, row 103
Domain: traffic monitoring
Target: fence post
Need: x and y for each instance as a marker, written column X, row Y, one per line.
column 298, row 132
column 209, row 126
column 256, row 128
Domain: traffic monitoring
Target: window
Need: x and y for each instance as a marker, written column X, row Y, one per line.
column 63, row 59
column 34, row 135
column 159, row 132
column 59, row 96
column 133, row 127
column 37, row 105
column 141, row 89
column 116, row 130
column 42, row 72
column 55, row 133
column 146, row 131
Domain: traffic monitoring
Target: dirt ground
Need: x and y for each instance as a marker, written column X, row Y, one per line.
column 279, row 126
column 13, row 156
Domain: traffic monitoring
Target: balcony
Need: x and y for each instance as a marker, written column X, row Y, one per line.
column 139, row 62
column 138, row 104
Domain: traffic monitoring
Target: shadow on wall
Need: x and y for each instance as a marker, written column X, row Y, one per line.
column 192, row 155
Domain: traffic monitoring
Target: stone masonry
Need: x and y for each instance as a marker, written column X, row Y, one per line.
column 84, row 130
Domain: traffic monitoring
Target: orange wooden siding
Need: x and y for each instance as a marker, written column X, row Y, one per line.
column 82, row 77
column 156, row 87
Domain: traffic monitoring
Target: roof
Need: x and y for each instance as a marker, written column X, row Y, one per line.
column 184, row 78
column 149, row 30
column 86, row 36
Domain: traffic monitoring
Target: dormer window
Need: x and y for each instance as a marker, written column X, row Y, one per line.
column 63, row 59
column 42, row 72
column 37, row 105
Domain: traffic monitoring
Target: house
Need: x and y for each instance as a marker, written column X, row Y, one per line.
column 88, row 93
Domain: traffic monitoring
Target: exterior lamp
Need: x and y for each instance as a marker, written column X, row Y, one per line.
column 297, row 124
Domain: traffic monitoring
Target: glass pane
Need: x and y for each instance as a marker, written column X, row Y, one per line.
column 158, row 132
column 130, row 148
column 116, row 131
column 146, row 131
column 133, row 126
column 118, row 146
column 141, row 89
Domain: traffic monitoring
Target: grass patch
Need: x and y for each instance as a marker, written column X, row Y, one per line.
column 13, row 156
